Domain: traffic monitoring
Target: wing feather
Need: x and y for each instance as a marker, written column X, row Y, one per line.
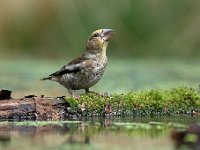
column 73, row 67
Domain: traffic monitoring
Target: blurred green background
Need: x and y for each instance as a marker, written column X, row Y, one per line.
column 156, row 44
column 60, row 28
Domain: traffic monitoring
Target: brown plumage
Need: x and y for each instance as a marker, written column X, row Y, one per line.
column 85, row 71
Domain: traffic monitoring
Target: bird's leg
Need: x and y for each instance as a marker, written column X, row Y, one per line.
column 72, row 94
column 88, row 91
column 70, row 91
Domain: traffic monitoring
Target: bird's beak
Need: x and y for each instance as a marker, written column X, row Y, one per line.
column 107, row 34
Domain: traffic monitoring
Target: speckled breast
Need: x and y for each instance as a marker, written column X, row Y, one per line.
column 83, row 79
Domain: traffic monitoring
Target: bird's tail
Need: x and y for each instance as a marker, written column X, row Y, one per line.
column 47, row 78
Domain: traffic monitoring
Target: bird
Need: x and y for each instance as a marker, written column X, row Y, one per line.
column 86, row 70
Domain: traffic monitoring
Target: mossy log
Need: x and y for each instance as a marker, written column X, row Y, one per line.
column 181, row 100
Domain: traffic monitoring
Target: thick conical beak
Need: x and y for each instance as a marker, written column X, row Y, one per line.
column 107, row 34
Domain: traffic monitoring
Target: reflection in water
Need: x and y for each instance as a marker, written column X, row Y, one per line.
column 92, row 134
column 72, row 140
column 5, row 139
column 189, row 138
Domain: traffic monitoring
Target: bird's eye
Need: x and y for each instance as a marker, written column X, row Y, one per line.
column 95, row 35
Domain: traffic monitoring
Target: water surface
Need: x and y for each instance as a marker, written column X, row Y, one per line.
column 92, row 134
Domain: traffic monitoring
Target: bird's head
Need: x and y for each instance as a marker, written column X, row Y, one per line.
column 98, row 40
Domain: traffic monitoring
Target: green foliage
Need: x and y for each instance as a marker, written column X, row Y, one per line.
column 148, row 102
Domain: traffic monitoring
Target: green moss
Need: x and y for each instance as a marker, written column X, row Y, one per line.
column 148, row 102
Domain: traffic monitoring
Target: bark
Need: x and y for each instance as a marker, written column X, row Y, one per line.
column 5, row 94
column 34, row 108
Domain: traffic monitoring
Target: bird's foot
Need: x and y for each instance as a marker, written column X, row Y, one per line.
column 106, row 94
column 87, row 91
column 72, row 94
column 91, row 92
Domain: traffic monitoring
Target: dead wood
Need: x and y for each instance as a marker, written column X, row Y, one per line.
column 33, row 108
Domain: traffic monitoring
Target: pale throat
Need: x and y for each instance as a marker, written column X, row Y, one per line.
column 104, row 48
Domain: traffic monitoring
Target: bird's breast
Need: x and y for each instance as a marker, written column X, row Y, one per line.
column 89, row 75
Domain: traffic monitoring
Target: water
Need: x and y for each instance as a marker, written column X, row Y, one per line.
column 92, row 134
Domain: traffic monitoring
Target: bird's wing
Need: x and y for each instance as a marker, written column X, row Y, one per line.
column 73, row 67
column 65, row 70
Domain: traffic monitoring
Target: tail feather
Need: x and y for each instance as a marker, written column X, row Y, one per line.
column 47, row 78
